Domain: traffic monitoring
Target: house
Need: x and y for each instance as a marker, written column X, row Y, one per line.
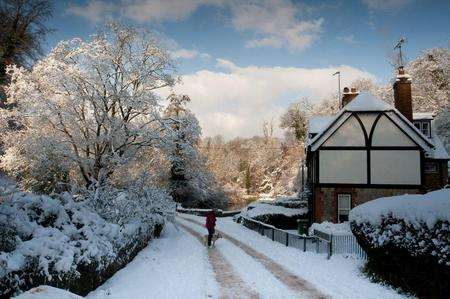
column 369, row 150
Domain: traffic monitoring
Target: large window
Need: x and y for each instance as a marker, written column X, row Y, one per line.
column 343, row 166
column 344, row 206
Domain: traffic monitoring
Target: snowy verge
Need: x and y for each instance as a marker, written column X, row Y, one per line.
column 64, row 243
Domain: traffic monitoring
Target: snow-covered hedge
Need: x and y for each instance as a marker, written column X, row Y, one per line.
column 407, row 240
column 261, row 209
column 278, row 216
column 416, row 223
column 61, row 242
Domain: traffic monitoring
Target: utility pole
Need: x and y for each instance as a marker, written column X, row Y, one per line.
column 339, row 87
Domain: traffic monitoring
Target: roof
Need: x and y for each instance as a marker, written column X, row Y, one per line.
column 367, row 102
column 423, row 116
column 317, row 123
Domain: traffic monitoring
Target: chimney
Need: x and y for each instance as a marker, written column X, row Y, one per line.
column 348, row 95
column 402, row 94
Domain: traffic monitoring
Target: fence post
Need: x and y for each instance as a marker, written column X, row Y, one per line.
column 304, row 244
column 287, row 239
column 273, row 234
column 317, row 244
column 330, row 247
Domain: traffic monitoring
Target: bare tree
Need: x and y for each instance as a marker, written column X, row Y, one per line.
column 23, row 29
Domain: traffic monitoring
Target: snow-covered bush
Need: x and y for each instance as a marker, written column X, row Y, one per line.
column 61, row 241
column 278, row 216
column 407, row 239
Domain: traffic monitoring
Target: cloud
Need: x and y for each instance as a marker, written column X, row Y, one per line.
column 385, row 4
column 95, row 11
column 277, row 22
column 189, row 54
column 137, row 10
column 274, row 23
column 235, row 101
column 349, row 39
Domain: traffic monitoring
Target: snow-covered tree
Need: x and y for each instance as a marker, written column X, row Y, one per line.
column 91, row 104
column 190, row 182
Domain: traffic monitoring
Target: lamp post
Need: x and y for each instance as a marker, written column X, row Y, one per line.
column 339, row 87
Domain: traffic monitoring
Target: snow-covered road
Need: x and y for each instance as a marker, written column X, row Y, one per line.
column 242, row 265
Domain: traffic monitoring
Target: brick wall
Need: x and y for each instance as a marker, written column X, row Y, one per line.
column 326, row 199
column 437, row 180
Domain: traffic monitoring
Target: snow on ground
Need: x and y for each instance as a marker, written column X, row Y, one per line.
column 331, row 228
column 413, row 208
column 173, row 266
column 253, row 273
column 339, row 277
column 47, row 292
column 260, row 209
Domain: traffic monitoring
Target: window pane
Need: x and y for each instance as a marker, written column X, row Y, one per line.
column 344, row 201
column 417, row 125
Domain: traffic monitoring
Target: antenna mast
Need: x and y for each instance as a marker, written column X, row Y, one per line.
column 398, row 46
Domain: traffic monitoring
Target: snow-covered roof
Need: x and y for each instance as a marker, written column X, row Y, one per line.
column 423, row 116
column 318, row 123
column 367, row 102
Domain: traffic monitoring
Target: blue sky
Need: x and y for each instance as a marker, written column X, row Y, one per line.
column 244, row 61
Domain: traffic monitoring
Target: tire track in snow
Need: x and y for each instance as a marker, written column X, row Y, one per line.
column 292, row 281
column 231, row 285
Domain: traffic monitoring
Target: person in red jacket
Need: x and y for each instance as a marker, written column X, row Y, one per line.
column 210, row 225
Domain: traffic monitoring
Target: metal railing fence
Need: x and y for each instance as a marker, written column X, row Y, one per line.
column 320, row 242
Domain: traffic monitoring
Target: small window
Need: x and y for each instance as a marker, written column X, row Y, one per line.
column 430, row 167
column 426, row 129
column 423, row 127
column 344, row 205
column 417, row 125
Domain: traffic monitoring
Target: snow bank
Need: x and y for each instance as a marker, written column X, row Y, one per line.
column 414, row 209
column 47, row 292
column 49, row 239
column 417, row 224
column 260, row 209
column 331, row 228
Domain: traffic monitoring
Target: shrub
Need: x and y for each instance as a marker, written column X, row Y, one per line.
column 407, row 241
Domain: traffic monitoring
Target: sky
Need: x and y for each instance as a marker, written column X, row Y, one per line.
column 243, row 62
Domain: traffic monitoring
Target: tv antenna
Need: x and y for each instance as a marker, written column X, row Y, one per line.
column 398, row 46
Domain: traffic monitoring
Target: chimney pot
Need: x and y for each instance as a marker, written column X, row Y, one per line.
column 348, row 95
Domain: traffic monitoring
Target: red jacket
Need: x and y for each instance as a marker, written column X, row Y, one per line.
column 210, row 220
